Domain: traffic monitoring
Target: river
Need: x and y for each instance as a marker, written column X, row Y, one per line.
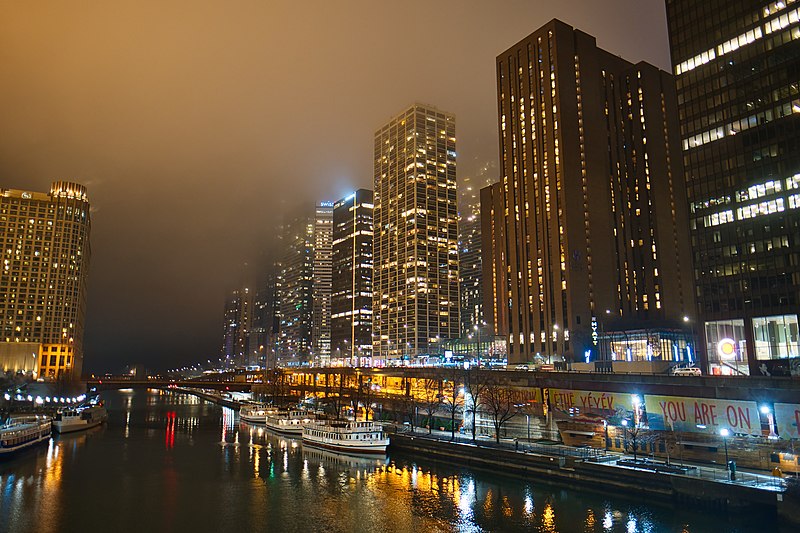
column 171, row 462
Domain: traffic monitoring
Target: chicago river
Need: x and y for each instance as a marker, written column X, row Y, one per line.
column 172, row 462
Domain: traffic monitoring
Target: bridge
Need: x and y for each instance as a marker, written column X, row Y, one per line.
column 752, row 388
column 123, row 383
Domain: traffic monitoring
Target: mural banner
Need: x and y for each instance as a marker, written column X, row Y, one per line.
column 702, row 415
column 610, row 406
column 787, row 418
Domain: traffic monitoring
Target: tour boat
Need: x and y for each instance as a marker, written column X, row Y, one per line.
column 256, row 412
column 79, row 418
column 23, row 432
column 288, row 422
column 347, row 436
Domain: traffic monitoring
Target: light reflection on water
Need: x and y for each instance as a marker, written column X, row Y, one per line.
column 169, row 462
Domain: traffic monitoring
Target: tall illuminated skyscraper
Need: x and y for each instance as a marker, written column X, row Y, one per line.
column 295, row 285
column 737, row 70
column 593, row 203
column 43, row 278
column 351, row 301
column 323, row 252
column 415, row 285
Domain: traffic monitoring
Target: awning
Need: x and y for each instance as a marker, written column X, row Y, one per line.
column 587, row 433
column 696, row 443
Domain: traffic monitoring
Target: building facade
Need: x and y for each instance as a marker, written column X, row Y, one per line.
column 415, row 280
column 351, row 302
column 323, row 253
column 43, row 281
column 295, row 282
column 593, row 209
column 237, row 328
column 736, row 66
column 469, row 255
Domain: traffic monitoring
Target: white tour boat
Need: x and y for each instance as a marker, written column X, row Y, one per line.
column 23, row 432
column 79, row 418
column 256, row 413
column 289, row 422
column 347, row 436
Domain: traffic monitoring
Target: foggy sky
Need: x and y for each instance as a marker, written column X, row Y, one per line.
column 194, row 124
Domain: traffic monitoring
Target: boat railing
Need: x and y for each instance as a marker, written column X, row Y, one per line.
column 346, row 427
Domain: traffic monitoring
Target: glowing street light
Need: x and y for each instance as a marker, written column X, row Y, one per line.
column 725, row 433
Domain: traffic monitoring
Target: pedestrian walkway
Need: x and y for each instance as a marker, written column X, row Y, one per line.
column 717, row 474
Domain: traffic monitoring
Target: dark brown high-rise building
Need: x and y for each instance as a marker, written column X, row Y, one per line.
column 592, row 208
column 737, row 68
column 351, row 299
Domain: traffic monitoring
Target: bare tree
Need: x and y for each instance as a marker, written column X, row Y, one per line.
column 635, row 437
column 430, row 399
column 363, row 396
column 453, row 402
column 474, row 384
column 500, row 403
column 276, row 381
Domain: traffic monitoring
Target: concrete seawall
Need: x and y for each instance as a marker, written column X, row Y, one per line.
column 594, row 476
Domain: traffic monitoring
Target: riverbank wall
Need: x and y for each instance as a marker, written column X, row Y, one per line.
column 596, row 476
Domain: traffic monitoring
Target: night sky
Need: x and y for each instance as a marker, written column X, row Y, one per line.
column 195, row 124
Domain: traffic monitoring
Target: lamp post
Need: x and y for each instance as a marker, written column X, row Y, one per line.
column 725, row 433
column 770, row 420
column 555, row 341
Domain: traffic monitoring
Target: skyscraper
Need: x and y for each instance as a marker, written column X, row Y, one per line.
column 415, row 285
column 469, row 253
column 295, row 282
column 593, row 210
column 46, row 251
column 323, row 251
column 236, row 327
column 736, row 66
column 351, row 301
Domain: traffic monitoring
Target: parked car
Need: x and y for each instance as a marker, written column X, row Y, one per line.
column 686, row 371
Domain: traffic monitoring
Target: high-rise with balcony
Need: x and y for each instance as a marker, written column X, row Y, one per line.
column 592, row 206
column 45, row 263
column 351, row 300
column 415, row 284
column 737, row 68
column 323, row 252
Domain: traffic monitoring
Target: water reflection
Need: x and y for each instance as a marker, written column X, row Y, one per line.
column 167, row 461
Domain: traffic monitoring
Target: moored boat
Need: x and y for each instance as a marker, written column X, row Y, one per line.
column 256, row 413
column 357, row 437
column 288, row 422
column 23, row 432
column 79, row 418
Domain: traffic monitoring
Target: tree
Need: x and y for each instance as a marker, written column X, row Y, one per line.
column 474, row 384
column 276, row 381
column 634, row 437
column 500, row 403
column 453, row 402
column 430, row 399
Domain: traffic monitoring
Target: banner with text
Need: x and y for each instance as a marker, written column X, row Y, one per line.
column 613, row 407
column 702, row 415
column 787, row 419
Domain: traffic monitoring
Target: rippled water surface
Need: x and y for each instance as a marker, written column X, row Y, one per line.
column 170, row 462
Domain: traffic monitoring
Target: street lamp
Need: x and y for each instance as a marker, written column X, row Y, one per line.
column 725, row 433
column 555, row 342
column 770, row 420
